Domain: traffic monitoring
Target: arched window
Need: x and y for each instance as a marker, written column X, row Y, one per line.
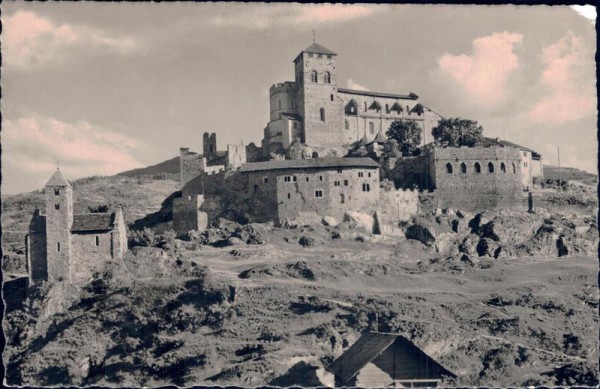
column 490, row 167
column 365, row 106
column 279, row 104
column 463, row 168
column 97, row 241
column 449, row 168
column 503, row 167
column 322, row 113
column 387, row 108
column 313, row 76
column 327, row 78
column 347, row 124
column 371, row 128
column 514, row 169
column 477, row 167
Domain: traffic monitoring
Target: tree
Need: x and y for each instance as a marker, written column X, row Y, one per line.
column 390, row 149
column 408, row 135
column 456, row 132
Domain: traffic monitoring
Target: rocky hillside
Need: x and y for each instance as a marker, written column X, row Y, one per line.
column 501, row 298
column 486, row 295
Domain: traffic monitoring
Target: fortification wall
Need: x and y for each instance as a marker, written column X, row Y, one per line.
column 35, row 243
column 397, row 205
column 190, row 165
column 459, row 183
column 236, row 156
column 187, row 215
column 341, row 191
column 86, row 255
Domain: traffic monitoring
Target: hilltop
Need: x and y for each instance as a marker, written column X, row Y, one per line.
column 569, row 173
column 170, row 166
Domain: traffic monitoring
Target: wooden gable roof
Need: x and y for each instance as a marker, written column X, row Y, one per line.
column 408, row 363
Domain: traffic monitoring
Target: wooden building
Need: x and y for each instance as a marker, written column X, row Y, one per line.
column 381, row 360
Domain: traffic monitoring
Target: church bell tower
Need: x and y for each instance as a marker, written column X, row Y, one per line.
column 320, row 107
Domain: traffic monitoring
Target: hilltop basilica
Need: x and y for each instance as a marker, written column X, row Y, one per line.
column 314, row 110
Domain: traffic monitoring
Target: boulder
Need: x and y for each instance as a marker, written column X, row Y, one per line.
column 511, row 229
column 460, row 225
column 422, row 233
column 469, row 245
column 360, row 220
column 444, row 241
column 306, row 241
column 487, row 247
column 330, row 221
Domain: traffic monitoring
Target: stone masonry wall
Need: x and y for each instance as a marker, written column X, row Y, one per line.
column 236, row 156
column 36, row 255
column 477, row 191
column 190, row 165
column 283, row 99
column 397, row 205
column 58, row 227
column 342, row 191
column 187, row 215
column 315, row 96
column 87, row 255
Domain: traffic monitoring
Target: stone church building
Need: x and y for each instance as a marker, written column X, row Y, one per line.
column 66, row 246
column 314, row 110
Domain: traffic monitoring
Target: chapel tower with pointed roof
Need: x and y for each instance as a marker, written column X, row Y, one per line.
column 319, row 105
column 59, row 219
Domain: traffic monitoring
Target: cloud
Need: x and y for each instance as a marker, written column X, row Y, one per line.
column 32, row 146
column 299, row 16
column 30, row 41
column 567, row 82
column 483, row 76
column 587, row 11
column 350, row 84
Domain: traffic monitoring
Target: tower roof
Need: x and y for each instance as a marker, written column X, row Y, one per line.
column 318, row 49
column 58, row 179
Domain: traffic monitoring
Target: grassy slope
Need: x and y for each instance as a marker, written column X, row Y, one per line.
column 569, row 173
column 170, row 166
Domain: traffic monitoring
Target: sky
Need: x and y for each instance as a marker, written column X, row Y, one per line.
column 106, row 87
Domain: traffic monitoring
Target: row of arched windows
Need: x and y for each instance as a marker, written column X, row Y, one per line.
column 477, row 168
column 314, row 77
column 347, row 124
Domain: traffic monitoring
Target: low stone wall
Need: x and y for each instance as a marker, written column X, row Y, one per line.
column 397, row 205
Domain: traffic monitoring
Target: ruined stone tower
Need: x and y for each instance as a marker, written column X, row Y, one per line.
column 209, row 145
column 320, row 107
column 59, row 219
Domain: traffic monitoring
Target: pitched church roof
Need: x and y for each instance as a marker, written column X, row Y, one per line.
column 93, row 222
column 318, row 49
column 410, row 361
column 57, row 179
column 315, row 163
